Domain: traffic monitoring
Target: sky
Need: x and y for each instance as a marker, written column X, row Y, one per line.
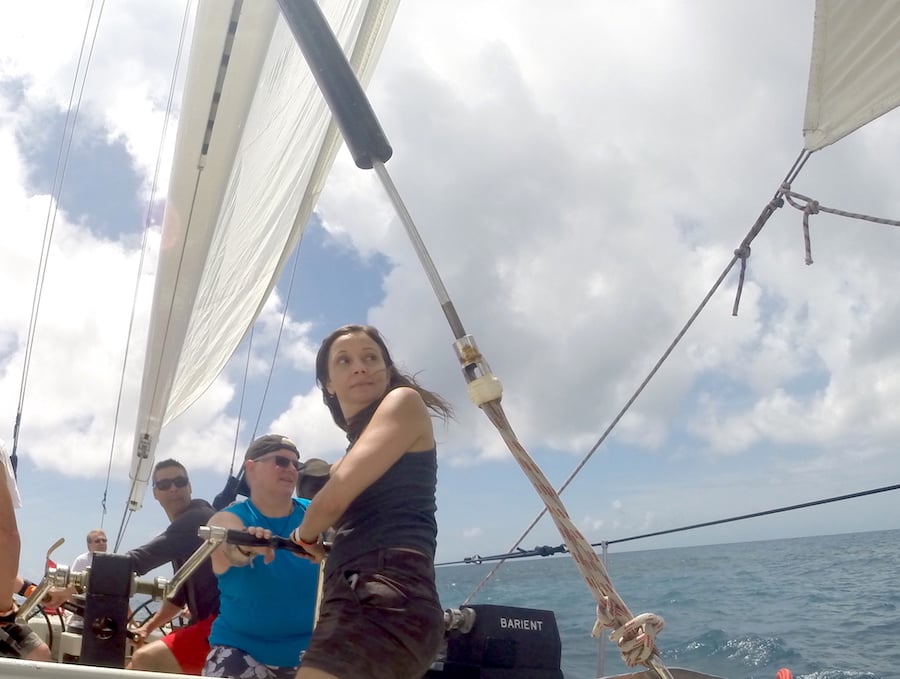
column 580, row 176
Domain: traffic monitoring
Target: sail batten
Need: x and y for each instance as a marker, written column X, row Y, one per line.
column 225, row 242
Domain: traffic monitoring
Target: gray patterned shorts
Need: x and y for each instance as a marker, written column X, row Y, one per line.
column 226, row 661
column 17, row 641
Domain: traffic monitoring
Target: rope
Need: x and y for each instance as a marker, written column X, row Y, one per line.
column 237, row 428
column 742, row 253
column 165, row 325
column 809, row 206
column 287, row 301
column 265, row 393
column 547, row 550
column 754, row 515
column 636, row 636
column 743, row 250
column 539, row 550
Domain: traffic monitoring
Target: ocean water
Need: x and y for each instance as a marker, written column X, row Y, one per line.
column 825, row 607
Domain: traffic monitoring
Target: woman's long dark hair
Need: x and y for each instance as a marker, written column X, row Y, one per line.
column 395, row 379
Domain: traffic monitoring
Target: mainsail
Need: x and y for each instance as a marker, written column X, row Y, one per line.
column 855, row 70
column 254, row 146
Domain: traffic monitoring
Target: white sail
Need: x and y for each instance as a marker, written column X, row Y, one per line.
column 255, row 143
column 855, row 70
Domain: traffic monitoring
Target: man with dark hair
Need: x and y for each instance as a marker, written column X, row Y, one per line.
column 183, row 650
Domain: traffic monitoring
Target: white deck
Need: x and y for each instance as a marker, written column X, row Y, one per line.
column 24, row 669
column 66, row 643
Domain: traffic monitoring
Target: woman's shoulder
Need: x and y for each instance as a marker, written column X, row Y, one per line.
column 404, row 409
column 403, row 405
column 403, row 398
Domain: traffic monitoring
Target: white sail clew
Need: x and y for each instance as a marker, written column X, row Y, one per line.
column 254, row 145
column 855, row 71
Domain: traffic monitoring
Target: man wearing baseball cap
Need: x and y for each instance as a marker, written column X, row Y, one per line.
column 268, row 598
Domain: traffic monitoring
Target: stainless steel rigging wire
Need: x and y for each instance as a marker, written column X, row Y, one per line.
column 148, row 223
column 745, row 251
column 62, row 162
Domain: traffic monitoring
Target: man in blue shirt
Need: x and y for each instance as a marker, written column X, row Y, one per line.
column 268, row 598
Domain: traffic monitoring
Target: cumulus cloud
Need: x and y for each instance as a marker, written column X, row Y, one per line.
column 580, row 187
column 472, row 532
column 578, row 221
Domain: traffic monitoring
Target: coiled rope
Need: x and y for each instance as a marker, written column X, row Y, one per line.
column 635, row 635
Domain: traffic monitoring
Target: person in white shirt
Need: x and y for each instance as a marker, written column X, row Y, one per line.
column 96, row 542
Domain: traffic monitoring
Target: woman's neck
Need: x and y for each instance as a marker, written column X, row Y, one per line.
column 357, row 422
column 352, row 410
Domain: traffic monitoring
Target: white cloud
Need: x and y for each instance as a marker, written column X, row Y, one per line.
column 131, row 64
column 580, row 186
column 577, row 221
column 310, row 423
column 472, row 532
column 81, row 332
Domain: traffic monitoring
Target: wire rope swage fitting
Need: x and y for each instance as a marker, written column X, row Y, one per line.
column 482, row 385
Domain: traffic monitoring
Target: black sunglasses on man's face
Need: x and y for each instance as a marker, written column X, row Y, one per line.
column 281, row 461
column 165, row 484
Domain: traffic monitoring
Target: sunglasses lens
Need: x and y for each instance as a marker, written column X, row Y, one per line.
column 165, row 484
column 286, row 462
column 280, row 461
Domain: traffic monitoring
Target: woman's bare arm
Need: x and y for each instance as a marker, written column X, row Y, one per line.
column 10, row 544
column 401, row 424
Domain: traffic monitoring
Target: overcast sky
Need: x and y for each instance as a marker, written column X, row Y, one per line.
column 581, row 177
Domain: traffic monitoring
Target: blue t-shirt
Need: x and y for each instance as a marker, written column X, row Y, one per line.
column 267, row 610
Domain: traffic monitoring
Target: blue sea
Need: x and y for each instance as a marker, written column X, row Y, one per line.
column 825, row 607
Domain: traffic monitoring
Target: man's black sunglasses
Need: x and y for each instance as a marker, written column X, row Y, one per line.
column 281, row 461
column 165, row 484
